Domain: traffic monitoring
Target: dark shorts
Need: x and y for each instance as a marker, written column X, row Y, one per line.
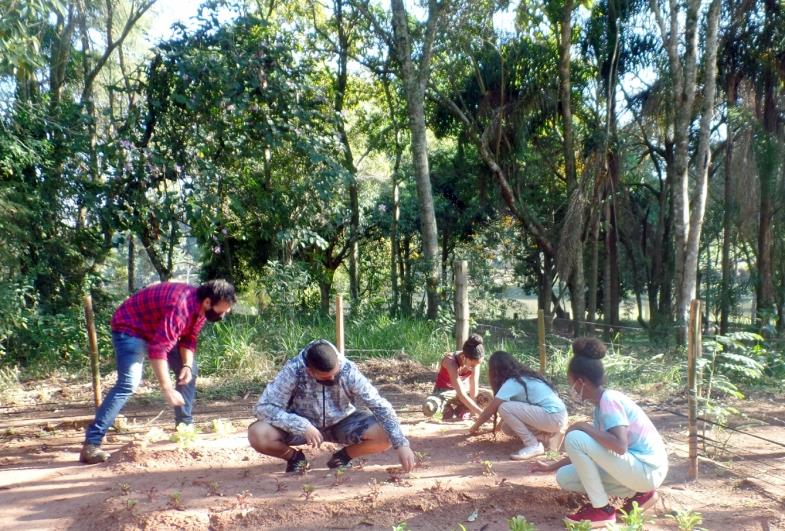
column 347, row 432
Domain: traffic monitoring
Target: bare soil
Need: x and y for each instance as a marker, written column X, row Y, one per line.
column 220, row 483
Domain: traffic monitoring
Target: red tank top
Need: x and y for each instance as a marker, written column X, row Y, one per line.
column 443, row 378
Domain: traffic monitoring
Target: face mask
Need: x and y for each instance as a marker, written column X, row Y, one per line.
column 213, row 316
column 575, row 395
column 329, row 383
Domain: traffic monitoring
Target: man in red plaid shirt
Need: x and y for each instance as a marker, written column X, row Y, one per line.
column 160, row 322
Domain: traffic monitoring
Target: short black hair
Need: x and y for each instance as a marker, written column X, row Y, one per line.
column 216, row 290
column 586, row 362
column 473, row 348
column 321, row 355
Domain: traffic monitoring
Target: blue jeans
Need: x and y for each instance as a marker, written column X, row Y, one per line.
column 130, row 353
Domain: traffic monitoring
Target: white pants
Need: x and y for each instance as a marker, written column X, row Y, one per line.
column 532, row 423
column 599, row 472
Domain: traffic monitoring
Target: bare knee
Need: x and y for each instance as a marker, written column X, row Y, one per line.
column 377, row 437
column 263, row 436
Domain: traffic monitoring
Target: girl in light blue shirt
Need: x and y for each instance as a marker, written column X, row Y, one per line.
column 527, row 403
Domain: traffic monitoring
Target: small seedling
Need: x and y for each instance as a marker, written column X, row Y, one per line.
column 308, row 491
column 487, row 468
column 374, row 490
column 583, row 525
column 687, row 520
column 214, row 489
column 185, row 436
column 437, row 486
column 633, row 520
column 420, row 459
column 223, row 427
column 519, row 523
column 340, row 476
column 552, row 455
column 280, row 487
column 176, row 500
column 125, row 488
column 438, row 417
column 130, row 504
column 401, row 527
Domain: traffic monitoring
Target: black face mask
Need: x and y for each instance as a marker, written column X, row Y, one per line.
column 329, row 383
column 213, row 316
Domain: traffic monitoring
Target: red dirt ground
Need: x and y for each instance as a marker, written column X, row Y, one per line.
column 222, row 484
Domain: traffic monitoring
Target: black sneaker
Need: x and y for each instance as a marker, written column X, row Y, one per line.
column 297, row 463
column 340, row 459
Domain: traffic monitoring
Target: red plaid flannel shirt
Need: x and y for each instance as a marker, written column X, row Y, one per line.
column 164, row 315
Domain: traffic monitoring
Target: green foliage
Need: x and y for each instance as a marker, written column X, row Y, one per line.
column 687, row 519
column 185, row 436
column 584, row 525
column 519, row 523
column 634, row 520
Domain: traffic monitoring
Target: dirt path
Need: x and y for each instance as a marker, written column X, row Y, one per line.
column 221, row 483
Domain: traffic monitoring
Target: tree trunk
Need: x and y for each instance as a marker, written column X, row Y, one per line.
column 594, row 269
column 415, row 82
column 325, row 286
column 728, row 213
column 768, row 164
column 576, row 281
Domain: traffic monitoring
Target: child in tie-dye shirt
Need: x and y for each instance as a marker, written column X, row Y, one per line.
column 620, row 453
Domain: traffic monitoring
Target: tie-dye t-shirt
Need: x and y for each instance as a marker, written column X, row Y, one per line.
column 643, row 440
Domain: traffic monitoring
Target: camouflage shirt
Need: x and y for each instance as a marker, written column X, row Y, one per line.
column 294, row 399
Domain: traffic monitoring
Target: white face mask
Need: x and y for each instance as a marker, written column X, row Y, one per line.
column 576, row 395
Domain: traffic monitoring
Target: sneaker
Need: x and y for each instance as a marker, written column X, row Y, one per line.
column 527, row 452
column 297, row 464
column 92, row 454
column 340, row 459
column 645, row 500
column 595, row 516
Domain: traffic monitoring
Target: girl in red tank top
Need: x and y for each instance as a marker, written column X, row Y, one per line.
column 457, row 382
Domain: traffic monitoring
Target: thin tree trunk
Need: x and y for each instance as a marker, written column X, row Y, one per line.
column 415, row 82
column 728, row 213
column 594, row 270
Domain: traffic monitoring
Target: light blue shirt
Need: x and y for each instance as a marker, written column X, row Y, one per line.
column 536, row 392
column 643, row 439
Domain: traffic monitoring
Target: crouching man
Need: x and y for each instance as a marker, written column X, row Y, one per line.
column 312, row 400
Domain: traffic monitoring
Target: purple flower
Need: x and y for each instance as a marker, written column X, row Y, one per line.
column 382, row 208
column 217, row 249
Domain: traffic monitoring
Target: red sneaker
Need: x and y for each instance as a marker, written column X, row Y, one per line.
column 645, row 500
column 596, row 516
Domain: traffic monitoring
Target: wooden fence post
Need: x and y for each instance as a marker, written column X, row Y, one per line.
column 92, row 341
column 541, row 338
column 461, row 302
column 694, row 349
column 339, row 323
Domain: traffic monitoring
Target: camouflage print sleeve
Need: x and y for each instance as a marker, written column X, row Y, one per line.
column 380, row 407
column 272, row 405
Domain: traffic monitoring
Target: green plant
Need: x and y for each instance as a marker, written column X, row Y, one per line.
column 687, row 519
column 727, row 360
column 634, row 520
column 223, row 427
column 400, row 527
column 176, row 500
column 125, row 488
column 583, row 525
column 487, row 468
column 130, row 504
column 519, row 523
column 185, row 436
column 308, row 491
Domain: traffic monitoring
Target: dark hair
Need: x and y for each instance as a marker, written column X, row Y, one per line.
column 321, row 355
column 587, row 353
column 217, row 290
column 472, row 347
column 502, row 366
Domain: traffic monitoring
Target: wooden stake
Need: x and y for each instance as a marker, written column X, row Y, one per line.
column 92, row 341
column 461, row 303
column 339, row 323
column 541, row 338
column 694, row 349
